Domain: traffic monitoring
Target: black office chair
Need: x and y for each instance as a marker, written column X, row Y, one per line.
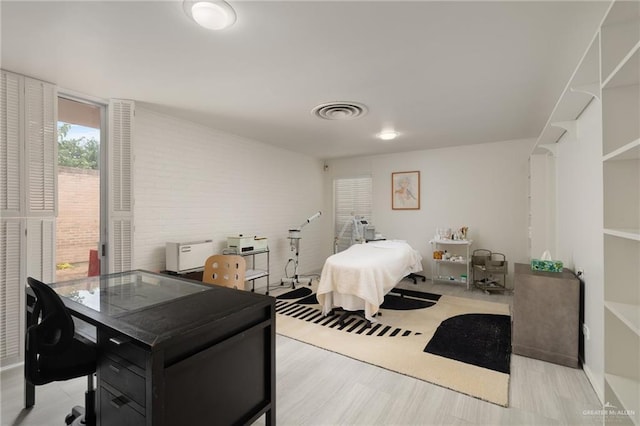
column 54, row 353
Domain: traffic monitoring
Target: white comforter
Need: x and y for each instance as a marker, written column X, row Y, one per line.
column 359, row 277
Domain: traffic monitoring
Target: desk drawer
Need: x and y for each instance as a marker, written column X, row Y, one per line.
column 125, row 348
column 118, row 410
column 123, row 379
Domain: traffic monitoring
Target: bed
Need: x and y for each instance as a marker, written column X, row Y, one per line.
column 358, row 278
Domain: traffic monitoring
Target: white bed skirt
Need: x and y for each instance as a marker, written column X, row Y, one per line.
column 359, row 277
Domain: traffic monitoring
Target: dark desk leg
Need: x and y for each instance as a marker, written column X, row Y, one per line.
column 271, row 417
column 29, row 395
column 271, row 350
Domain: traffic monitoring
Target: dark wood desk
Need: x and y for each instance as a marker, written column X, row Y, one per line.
column 176, row 352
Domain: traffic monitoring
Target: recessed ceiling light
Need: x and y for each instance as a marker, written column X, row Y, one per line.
column 210, row 14
column 388, row 135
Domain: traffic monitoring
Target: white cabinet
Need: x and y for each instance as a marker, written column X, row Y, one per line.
column 620, row 46
column 454, row 269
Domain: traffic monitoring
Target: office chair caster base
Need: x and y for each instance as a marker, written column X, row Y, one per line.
column 75, row 417
column 296, row 279
column 415, row 277
column 83, row 416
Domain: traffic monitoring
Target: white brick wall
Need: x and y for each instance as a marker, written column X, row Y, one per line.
column 193, row 182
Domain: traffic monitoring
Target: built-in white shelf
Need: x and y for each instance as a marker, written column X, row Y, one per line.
column 621, row 108
column 628, row 393
column 609, row 73
column 591, row 89
column 626, row 72
column 627, row 313
column 619, row 35
column 620, row 96
column 630, row 151
column 582, row 88
column 629, row 234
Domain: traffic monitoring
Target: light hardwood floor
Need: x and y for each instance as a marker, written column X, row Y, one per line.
column 318, row 387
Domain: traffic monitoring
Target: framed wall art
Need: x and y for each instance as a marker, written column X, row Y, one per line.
column 405, row 190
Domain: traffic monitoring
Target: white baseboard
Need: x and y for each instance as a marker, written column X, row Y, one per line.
column 596, row 383
column 11, row 366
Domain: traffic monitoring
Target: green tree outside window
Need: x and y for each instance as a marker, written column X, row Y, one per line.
column 81, row 153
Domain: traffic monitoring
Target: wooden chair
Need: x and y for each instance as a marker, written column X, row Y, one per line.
column 227, row 270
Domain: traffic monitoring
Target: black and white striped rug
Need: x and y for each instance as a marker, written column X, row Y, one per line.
column 459, row 343
column 302, row 304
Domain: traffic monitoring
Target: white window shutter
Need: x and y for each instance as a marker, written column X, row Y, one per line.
column 11, row 146
column 41, row 249
column 120, row 163
column 28, row 157
column 41, row 147
column 352, row 197
column 122, row 240
column 11, row 289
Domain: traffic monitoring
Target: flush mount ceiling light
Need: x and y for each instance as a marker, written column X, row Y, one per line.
column 210, row 14
column 387, row 135
column 339, row 110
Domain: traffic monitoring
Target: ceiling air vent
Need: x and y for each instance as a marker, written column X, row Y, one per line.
column 339, row 110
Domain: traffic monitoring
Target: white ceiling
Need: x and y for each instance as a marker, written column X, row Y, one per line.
column 441, row 73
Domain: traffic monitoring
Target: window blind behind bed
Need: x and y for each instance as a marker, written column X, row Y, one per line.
column 352, row 197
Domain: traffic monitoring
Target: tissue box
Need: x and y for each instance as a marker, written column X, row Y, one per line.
column 546, row 265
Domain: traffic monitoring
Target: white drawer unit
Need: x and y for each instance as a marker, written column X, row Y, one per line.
column 187, row 257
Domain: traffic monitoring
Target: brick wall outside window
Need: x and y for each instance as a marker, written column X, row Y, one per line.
column 78, row 222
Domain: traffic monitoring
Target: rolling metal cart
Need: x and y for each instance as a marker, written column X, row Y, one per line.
column 489, row 271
